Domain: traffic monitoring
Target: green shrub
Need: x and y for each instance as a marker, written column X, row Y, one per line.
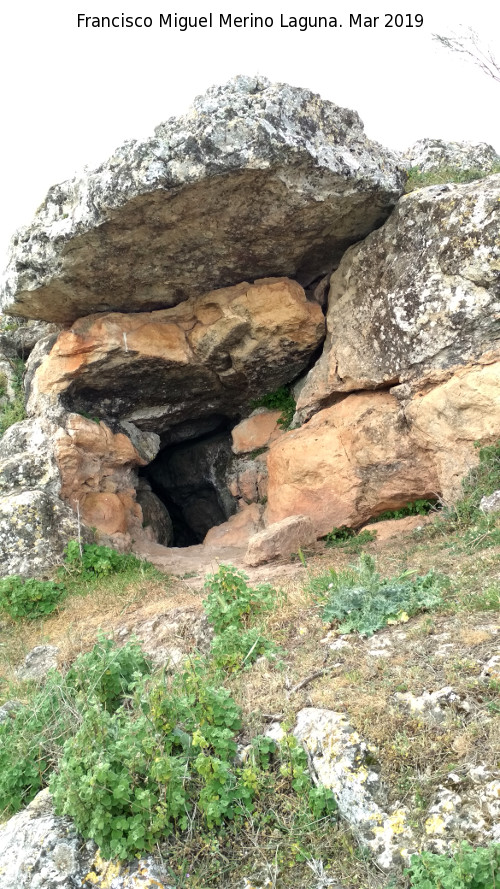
column 108, row 673
column 416, row 507
column 359, row 600
column 29, row 598
column 280, row 400
column 348, row 538
column 130, row 778
column 91, row 560
column 235, row 648
column 31, row 742
column 231, row 602
column 468, row 868
column 13, row 411
column 417, row 179
column 480, row 482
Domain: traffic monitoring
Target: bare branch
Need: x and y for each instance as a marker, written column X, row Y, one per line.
column 469, row 45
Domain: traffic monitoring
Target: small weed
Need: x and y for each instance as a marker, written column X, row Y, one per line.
column 92, row 560
column 468, row 868
column 416, row 507
column 349, row 539
column 417, row 179
column 282, row 399
column 13, row 411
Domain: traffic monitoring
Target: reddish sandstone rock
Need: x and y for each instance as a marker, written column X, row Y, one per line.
column 280, row 540
column 209, row 355
column 96, row 466
column 257, row 431
column 238, row 529
column 349, row 463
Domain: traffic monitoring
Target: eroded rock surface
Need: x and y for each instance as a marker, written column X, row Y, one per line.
column 428, row 155
column 208, row 356
column 257, row 179
column 421, row 293
column 342, row 761
column 351, row 462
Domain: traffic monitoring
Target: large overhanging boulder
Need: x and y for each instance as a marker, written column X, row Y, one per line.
column 421, row 293
column 208, row 356
column 256, row 180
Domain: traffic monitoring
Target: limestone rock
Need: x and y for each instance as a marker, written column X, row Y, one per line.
column 38, row 662
column 19, row 340
column 466, row 807
column 421, row 293
column 280, row 539
column 428, row 155
column 238, row 529
column 343, row 762
column 39, row 849
column 8, row 710
column 210, row 355
column 351, row 462
column 257, row 179
column 256, row 431
column 35, row 527
column 491, row 503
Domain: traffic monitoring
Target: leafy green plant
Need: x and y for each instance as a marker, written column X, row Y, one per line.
column 359, row 600
column 108, row 673
column 280, row 400
column 92, row 560
column 14, row 411
column 29, row 598
column 418, row 179
column 31, row 742
column 348, row 538
column 468, row 868
column 231, row 602
column 234, row 648
column 416, row 507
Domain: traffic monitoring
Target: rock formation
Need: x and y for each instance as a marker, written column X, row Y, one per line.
column 190, row 274
column 256, row 180
column 421, row 292
column 429, row 155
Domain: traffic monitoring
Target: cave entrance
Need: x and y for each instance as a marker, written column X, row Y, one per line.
column 189, row 478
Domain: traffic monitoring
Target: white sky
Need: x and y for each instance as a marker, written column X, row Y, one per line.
column 70, row 96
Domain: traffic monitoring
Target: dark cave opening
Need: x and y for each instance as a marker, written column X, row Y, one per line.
column 190, row 480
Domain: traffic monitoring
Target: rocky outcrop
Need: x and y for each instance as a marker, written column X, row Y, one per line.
column 256, row 180
column 38, row 848
column 208, row 356
column 375, row 451
column 428, row 155
column 352, row 461
column 155, row 515
column 422, row 292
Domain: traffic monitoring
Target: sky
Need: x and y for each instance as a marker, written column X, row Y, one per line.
column 71, row 95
